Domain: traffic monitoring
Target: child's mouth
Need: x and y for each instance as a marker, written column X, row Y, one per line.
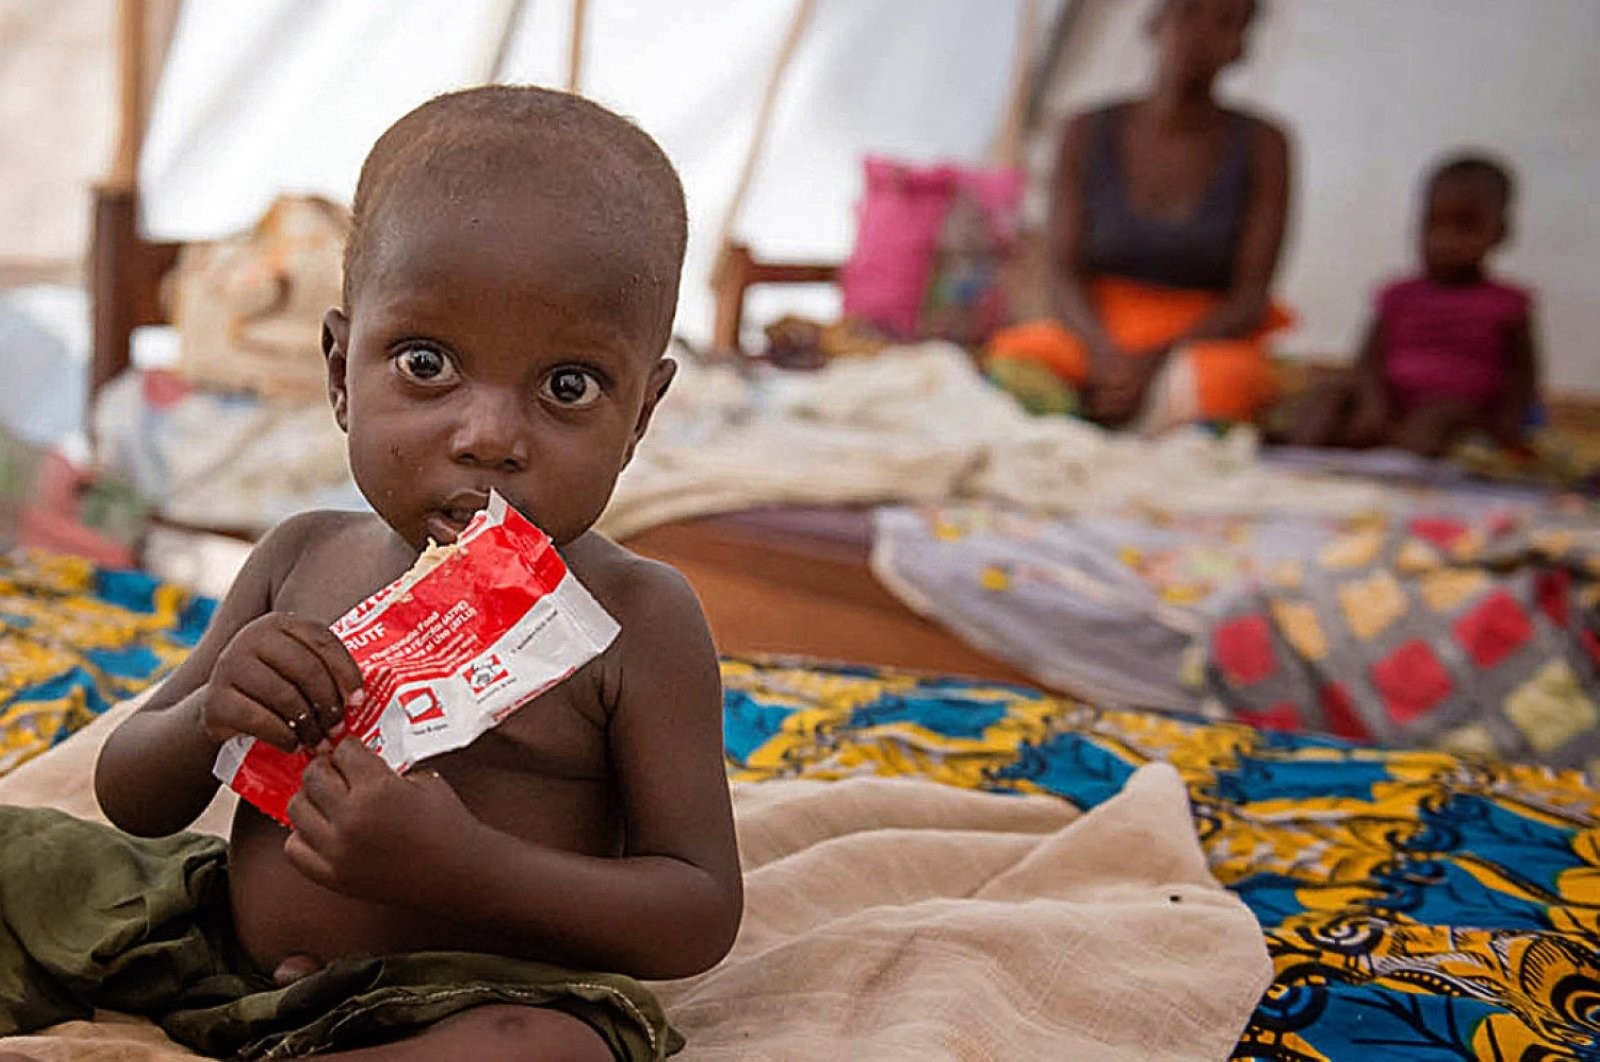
column 444, row 528
column 445, row 525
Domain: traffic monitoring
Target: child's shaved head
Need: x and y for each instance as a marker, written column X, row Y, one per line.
column 599, row 174
column 1485, row 172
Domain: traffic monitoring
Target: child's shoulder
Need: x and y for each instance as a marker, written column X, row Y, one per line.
column 653, row 602
column 313, row 531
column 1514, row 297
column 323, row 539
column 1402, row 293
column 1398, row 289
column 627, row 584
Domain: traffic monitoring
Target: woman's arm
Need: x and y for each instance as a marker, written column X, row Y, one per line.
column 1260, row 242
column 1069, row 297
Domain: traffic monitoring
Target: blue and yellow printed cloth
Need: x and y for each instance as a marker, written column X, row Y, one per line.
column 1416, row 905
column 76, row 638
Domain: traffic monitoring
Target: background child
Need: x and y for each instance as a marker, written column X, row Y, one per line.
column 1450, row 352
column 509, row 290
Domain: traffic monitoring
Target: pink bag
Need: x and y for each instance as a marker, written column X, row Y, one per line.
column 898, row 224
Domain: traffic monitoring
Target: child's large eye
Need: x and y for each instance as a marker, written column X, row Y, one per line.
column 572, row 388
column 425, row 365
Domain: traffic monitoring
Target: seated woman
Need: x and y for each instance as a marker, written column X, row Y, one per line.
column 1167, row 220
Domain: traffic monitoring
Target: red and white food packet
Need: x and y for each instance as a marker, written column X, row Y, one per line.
column 474, row 631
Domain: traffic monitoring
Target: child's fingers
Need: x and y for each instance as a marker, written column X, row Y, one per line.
column 309, row 821
column 258, row 679
column 284, row 693
column 323, row 785
column 355, row 762
column 306, row 859
column 229, row 712
column 291, row 658
column 335, row 657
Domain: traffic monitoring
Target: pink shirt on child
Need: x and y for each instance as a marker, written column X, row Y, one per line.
column 1449, row 342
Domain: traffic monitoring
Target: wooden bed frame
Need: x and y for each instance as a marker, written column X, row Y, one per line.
column 797, row 581
column 738, row 271
column 125, row 273
column 773, row 581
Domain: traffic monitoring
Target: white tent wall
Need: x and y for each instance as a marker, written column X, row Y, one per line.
column 922, row 82
column 1375, row 91
column 57, row 96
column 289, row 94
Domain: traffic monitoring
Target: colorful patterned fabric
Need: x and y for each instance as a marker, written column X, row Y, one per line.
column 1469, row 636
column 76, row 638
column 1105, row 605
column 1109, row 605
column 1463, row 618
column 1416, row 905
column 1557, row 458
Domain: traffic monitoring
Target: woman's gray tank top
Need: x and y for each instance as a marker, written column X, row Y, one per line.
column 1198, row 252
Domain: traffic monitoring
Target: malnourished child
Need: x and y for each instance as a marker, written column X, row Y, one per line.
column 509, row 288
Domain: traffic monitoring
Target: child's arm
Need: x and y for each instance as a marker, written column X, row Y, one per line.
column 669, row 907
column 154, row 775
column 1522, row 386
column 1369, row 412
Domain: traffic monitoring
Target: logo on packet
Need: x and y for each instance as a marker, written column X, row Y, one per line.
column 421, row 706
column 484, row 674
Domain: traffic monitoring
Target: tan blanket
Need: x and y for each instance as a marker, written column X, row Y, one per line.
column 892, row 919
column 919, row 425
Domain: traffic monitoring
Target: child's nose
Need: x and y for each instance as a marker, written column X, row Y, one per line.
column 491, row 437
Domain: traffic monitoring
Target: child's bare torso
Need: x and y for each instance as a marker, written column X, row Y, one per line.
column 542, row 775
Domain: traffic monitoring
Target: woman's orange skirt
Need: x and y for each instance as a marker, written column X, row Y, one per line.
column 1233, row 378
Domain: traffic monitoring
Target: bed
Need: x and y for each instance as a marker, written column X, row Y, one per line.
column 1139, row 597
column 1411, row 904
column 799, row 581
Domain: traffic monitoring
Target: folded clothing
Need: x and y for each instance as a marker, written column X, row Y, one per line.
column 96, row 918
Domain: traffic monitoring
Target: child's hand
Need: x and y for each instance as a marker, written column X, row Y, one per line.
column 1370, row 420
column 283, row 679
column 1506, row 428
column 365, row 831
